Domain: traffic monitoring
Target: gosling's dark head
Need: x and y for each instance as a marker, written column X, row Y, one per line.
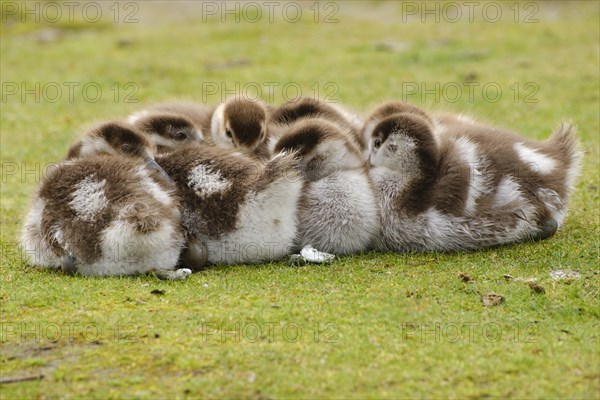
column 387, row 109
column 321, row 147
column 117, row 139
column 168, row 131
column 113, row 138
column 395, row 107
column 240, row 123
column 303, row 107
column 404, row 142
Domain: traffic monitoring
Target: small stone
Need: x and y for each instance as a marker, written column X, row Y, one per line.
column 48, row 35
column 296, row 260
column 492, row 299
column 537, row 288
column 393, row 47
column 470, row 77
column 510, row 278
column 565, row 275
column 124, row 42
column 182, row 274
column 311, row 254
column 242, row 62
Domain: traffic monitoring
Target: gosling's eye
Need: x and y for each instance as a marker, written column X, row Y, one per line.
column 377, row 143
column 127, row 148
column 228, row 133
column 180, row 135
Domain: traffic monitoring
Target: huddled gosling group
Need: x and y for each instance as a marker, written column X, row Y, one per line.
column 177, row 186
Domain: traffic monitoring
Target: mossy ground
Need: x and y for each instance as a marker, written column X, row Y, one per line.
column 370, row 326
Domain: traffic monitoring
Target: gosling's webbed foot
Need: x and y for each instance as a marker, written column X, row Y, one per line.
column 195, row 256
column 173, row 275
column 546, row 229
column 69, row 265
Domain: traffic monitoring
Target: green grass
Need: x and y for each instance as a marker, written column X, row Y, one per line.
column 371, row 326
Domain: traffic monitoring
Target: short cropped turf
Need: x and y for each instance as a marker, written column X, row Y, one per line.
column 367, row 326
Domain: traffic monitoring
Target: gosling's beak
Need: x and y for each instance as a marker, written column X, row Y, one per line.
column 153, row 164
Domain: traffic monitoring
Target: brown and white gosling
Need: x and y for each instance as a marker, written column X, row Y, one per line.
column 380, row 113
column 108, row 210
column 338, row 211
column 169, row 131
column 301, row 108
column 165, row 133
column 235, row 209
column 242, row 124
column 542, row 172
column 466, row 191
column 237, row 123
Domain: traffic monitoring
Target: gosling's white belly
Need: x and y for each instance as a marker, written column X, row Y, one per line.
column 266, row 228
